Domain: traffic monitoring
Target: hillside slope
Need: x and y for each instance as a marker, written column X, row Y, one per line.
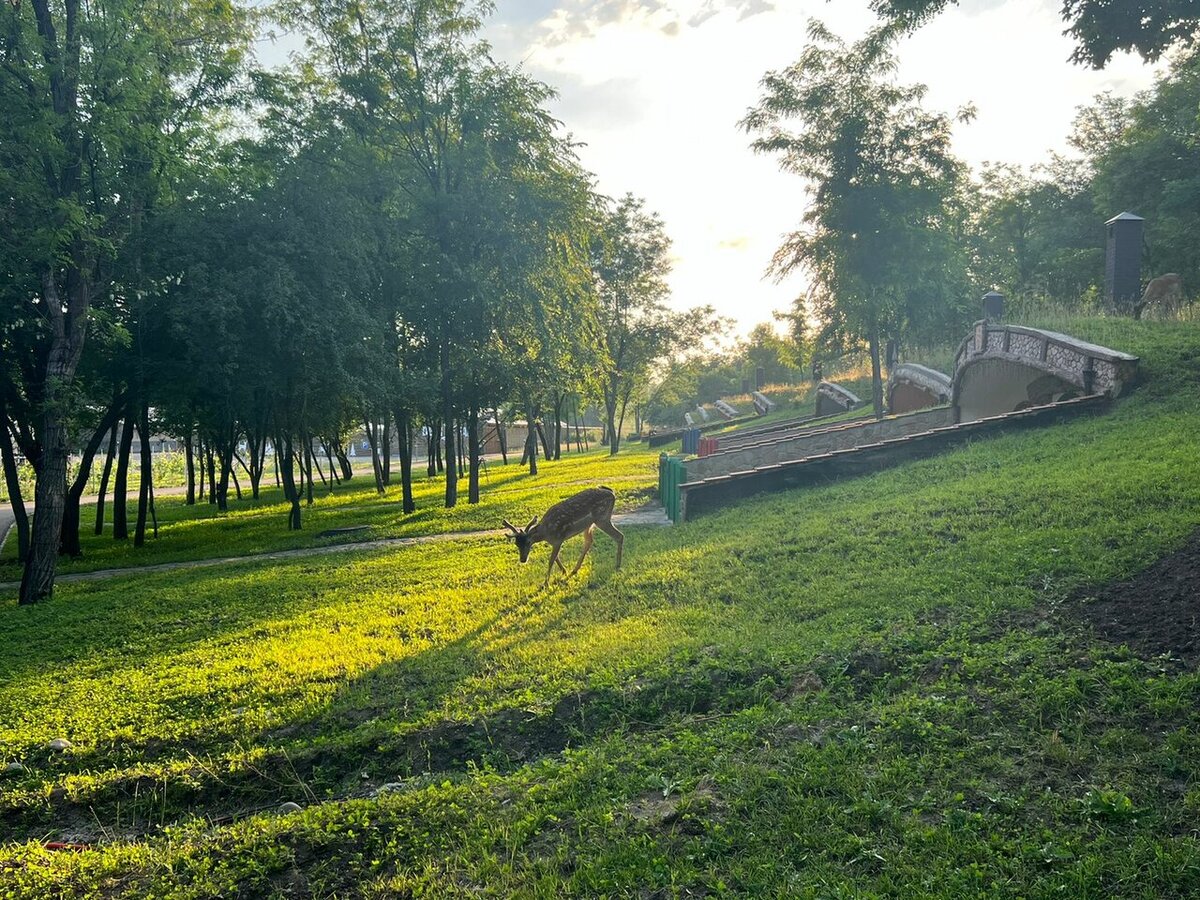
column 899, row 685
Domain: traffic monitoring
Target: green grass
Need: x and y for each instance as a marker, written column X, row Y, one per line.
column 201, row 532
column 880, row 687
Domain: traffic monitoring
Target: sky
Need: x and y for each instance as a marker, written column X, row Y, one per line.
column 654, row 91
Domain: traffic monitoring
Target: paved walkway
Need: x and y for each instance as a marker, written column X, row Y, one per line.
column 7, row 521
column 651, row 516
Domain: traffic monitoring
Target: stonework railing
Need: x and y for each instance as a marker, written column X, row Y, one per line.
column 1091, row 368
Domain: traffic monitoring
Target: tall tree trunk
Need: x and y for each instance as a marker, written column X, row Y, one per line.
column 316, row 464
column 121, row 485
column 473, row 443
column 531, row 450
column 12, row 481
column 344, row 461
column 139, row 533
column 559, row 398
column 610, row 411
column 108, row 464
column 212, row 474
column 404, row 433
column 876, row 375
column 66, row 314
column 69, row 541
column 386, row 441
column 190, row 463
column 431, row 467
column 287, row 465
column 501, row 437
column 333, row 478
column 308, row 499
column 225, row 459
column 373, row 442
column 448, row 416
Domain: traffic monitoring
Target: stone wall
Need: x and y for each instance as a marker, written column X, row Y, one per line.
column 814, row 442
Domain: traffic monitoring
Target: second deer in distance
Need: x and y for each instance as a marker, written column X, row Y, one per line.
column 582, row 514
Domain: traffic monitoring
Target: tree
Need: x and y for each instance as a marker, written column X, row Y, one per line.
column 1100, row 27
column 1149, row 165
column 878, row 238
column 630, row 263
column 96, row 100
column 468, row 146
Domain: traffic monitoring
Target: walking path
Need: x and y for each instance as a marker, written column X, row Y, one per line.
column 7, row 521
column 652, row 516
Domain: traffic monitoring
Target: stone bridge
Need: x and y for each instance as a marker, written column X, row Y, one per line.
column 1004, row 368
column 912, row 387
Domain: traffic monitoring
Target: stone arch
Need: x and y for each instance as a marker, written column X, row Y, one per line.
column 912, row 387
column 1003, row 368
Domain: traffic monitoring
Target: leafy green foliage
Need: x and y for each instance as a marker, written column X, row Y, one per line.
column 1101, row 28
column 878, row 237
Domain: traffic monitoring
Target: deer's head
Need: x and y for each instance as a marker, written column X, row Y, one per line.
column 523, row 537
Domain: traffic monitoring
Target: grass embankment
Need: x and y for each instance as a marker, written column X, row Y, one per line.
column 881, row 687
column 260, row 526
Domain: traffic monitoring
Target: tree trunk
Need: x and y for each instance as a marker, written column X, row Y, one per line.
column 373, row 442
column 531, row 450
column 108, row 464
column 344, row 461
column 287, row 465
column 876, row 376
column 37, row 580
column 308, row 497
column 448, row 416
column 386, row 442
column 333, row 478
column 190, row 463
column 473, row 443
column 404, row 433
column 12, row 481
column 614, row 439
column 316, row 464
column 139, row 533
column 69, row 540
column 431, row 466
column 212, row 475
column 121, row 485
column 501, row 437
column 225, row 458
column 558, row 410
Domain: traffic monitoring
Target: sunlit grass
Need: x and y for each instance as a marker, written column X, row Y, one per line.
column 250, row 526
column 870, row 688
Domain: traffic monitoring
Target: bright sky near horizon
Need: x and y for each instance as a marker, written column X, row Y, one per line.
column 654, row 89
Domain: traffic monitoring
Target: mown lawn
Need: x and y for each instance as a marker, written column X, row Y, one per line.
column 881, row 687
column 260, row 526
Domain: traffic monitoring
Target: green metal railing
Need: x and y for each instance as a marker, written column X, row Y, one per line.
column 671, row 474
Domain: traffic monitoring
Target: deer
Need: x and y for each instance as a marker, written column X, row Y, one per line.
column 1165, row 291
column 582, row 514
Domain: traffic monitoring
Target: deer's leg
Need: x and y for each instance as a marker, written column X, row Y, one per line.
column 588, row 539
column 553, row 560
column 610, row 529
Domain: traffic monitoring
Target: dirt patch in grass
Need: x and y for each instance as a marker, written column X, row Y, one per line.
column 1157, row 611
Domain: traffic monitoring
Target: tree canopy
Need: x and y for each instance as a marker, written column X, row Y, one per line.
column 1100, row 28
column 878, row 238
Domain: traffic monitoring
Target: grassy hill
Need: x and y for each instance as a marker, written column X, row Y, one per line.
column 926, row 682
